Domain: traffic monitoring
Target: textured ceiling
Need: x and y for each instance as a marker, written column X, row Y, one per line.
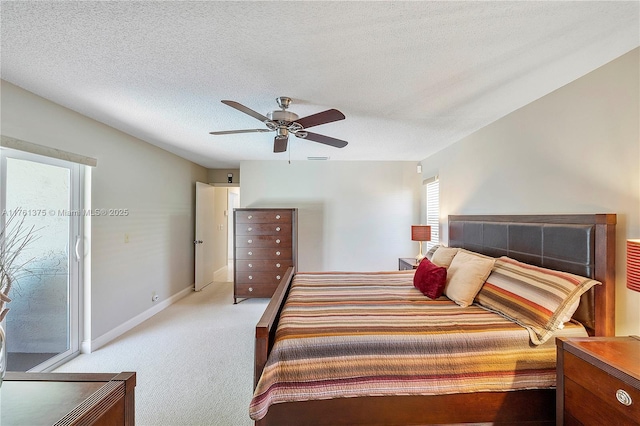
column 411, row 77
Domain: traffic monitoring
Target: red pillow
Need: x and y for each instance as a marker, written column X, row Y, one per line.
column 430, row 279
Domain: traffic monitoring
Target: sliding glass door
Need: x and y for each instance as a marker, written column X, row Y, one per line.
column 43, row 324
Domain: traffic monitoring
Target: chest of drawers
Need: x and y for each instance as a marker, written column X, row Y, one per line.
column 598, row 381
column 265, row 245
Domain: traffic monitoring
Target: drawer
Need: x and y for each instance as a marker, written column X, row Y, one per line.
column 263, row 216
column 263, row 229
column 247, row 253
column 602, row 385
column 263, row 241
column 258, row 278
column 583, row 407
column 251, row 290
column 279, row 266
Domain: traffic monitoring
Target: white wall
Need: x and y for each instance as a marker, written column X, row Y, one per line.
column 156, row 186
column 576, row 150
column 220, row 221
column 353, row 216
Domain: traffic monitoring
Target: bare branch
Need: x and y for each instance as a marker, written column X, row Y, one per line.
column 15, row 236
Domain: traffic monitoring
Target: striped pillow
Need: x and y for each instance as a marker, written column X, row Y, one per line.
column 538, row 299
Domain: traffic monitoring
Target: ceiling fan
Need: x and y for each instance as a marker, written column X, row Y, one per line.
column 286, row 122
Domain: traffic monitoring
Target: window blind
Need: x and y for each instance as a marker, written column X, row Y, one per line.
column 433, row 211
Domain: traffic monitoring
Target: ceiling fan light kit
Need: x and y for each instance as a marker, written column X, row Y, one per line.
column 286, row 122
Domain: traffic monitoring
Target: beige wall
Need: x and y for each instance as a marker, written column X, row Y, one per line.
column 219, row 179
column 221, row 227
column 576, row 150
column 353, row 216
column 156, row 186
column 220, row 176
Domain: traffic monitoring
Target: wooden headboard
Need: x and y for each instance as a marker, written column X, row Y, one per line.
column 582, row 244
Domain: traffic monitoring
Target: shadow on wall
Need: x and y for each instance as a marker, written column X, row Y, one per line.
column 179, row 259
column 311, row 225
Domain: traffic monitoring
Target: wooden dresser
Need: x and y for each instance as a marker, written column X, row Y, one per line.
column 598, row 381
column 265, row 245
column 32, row 399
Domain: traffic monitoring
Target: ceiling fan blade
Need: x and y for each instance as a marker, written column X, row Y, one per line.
column 249, row 111
column 327, row 140
column 324, row 117
column 230, row 132
column 280, row 143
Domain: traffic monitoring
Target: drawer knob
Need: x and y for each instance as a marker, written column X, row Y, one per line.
column 277, row 265
column 250, row 265
column 249, row 229
column 623, row 397
column 277, row 229
column 249, row 217
column 250, row 253
column 250, row 241
column 250, row 277
column 250, row 289
column 278, row 241
column 277, row 253
column 278, row 277
column 277, row 216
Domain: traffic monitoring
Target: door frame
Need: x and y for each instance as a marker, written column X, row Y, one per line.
column 75, row 245
column 204, row 235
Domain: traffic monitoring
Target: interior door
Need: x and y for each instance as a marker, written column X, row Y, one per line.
column 205, row 235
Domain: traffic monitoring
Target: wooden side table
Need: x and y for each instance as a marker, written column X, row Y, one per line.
column 598, row 381
column 407, row 263
column 68, row 399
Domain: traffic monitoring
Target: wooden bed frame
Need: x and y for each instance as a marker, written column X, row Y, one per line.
column 583, row 244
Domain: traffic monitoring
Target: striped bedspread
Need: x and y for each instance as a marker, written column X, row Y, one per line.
column 370, row 334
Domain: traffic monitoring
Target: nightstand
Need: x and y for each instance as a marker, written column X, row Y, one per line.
column 598, row 381
column 407, row 263
column 68, row 399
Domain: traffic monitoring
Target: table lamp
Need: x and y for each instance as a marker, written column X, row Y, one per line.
column 420, row 233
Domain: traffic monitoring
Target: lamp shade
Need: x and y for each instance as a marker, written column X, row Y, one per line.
column 421, row 233
column 633, row 264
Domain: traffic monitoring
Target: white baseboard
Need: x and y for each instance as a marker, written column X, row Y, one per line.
column 85, row 347
column 88, row 346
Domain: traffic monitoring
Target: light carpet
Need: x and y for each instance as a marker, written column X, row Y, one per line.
column 193, row 360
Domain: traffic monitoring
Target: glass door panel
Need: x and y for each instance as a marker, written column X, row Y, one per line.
column 42, row 324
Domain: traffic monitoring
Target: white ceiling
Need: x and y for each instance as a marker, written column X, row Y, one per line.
column 411, row 77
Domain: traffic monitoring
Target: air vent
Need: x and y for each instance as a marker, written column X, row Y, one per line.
column 317, row 158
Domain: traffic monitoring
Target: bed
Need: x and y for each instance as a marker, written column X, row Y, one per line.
column 577, row 244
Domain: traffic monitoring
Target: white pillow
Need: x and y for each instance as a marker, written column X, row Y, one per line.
column 466, row 275
column 443, row 256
